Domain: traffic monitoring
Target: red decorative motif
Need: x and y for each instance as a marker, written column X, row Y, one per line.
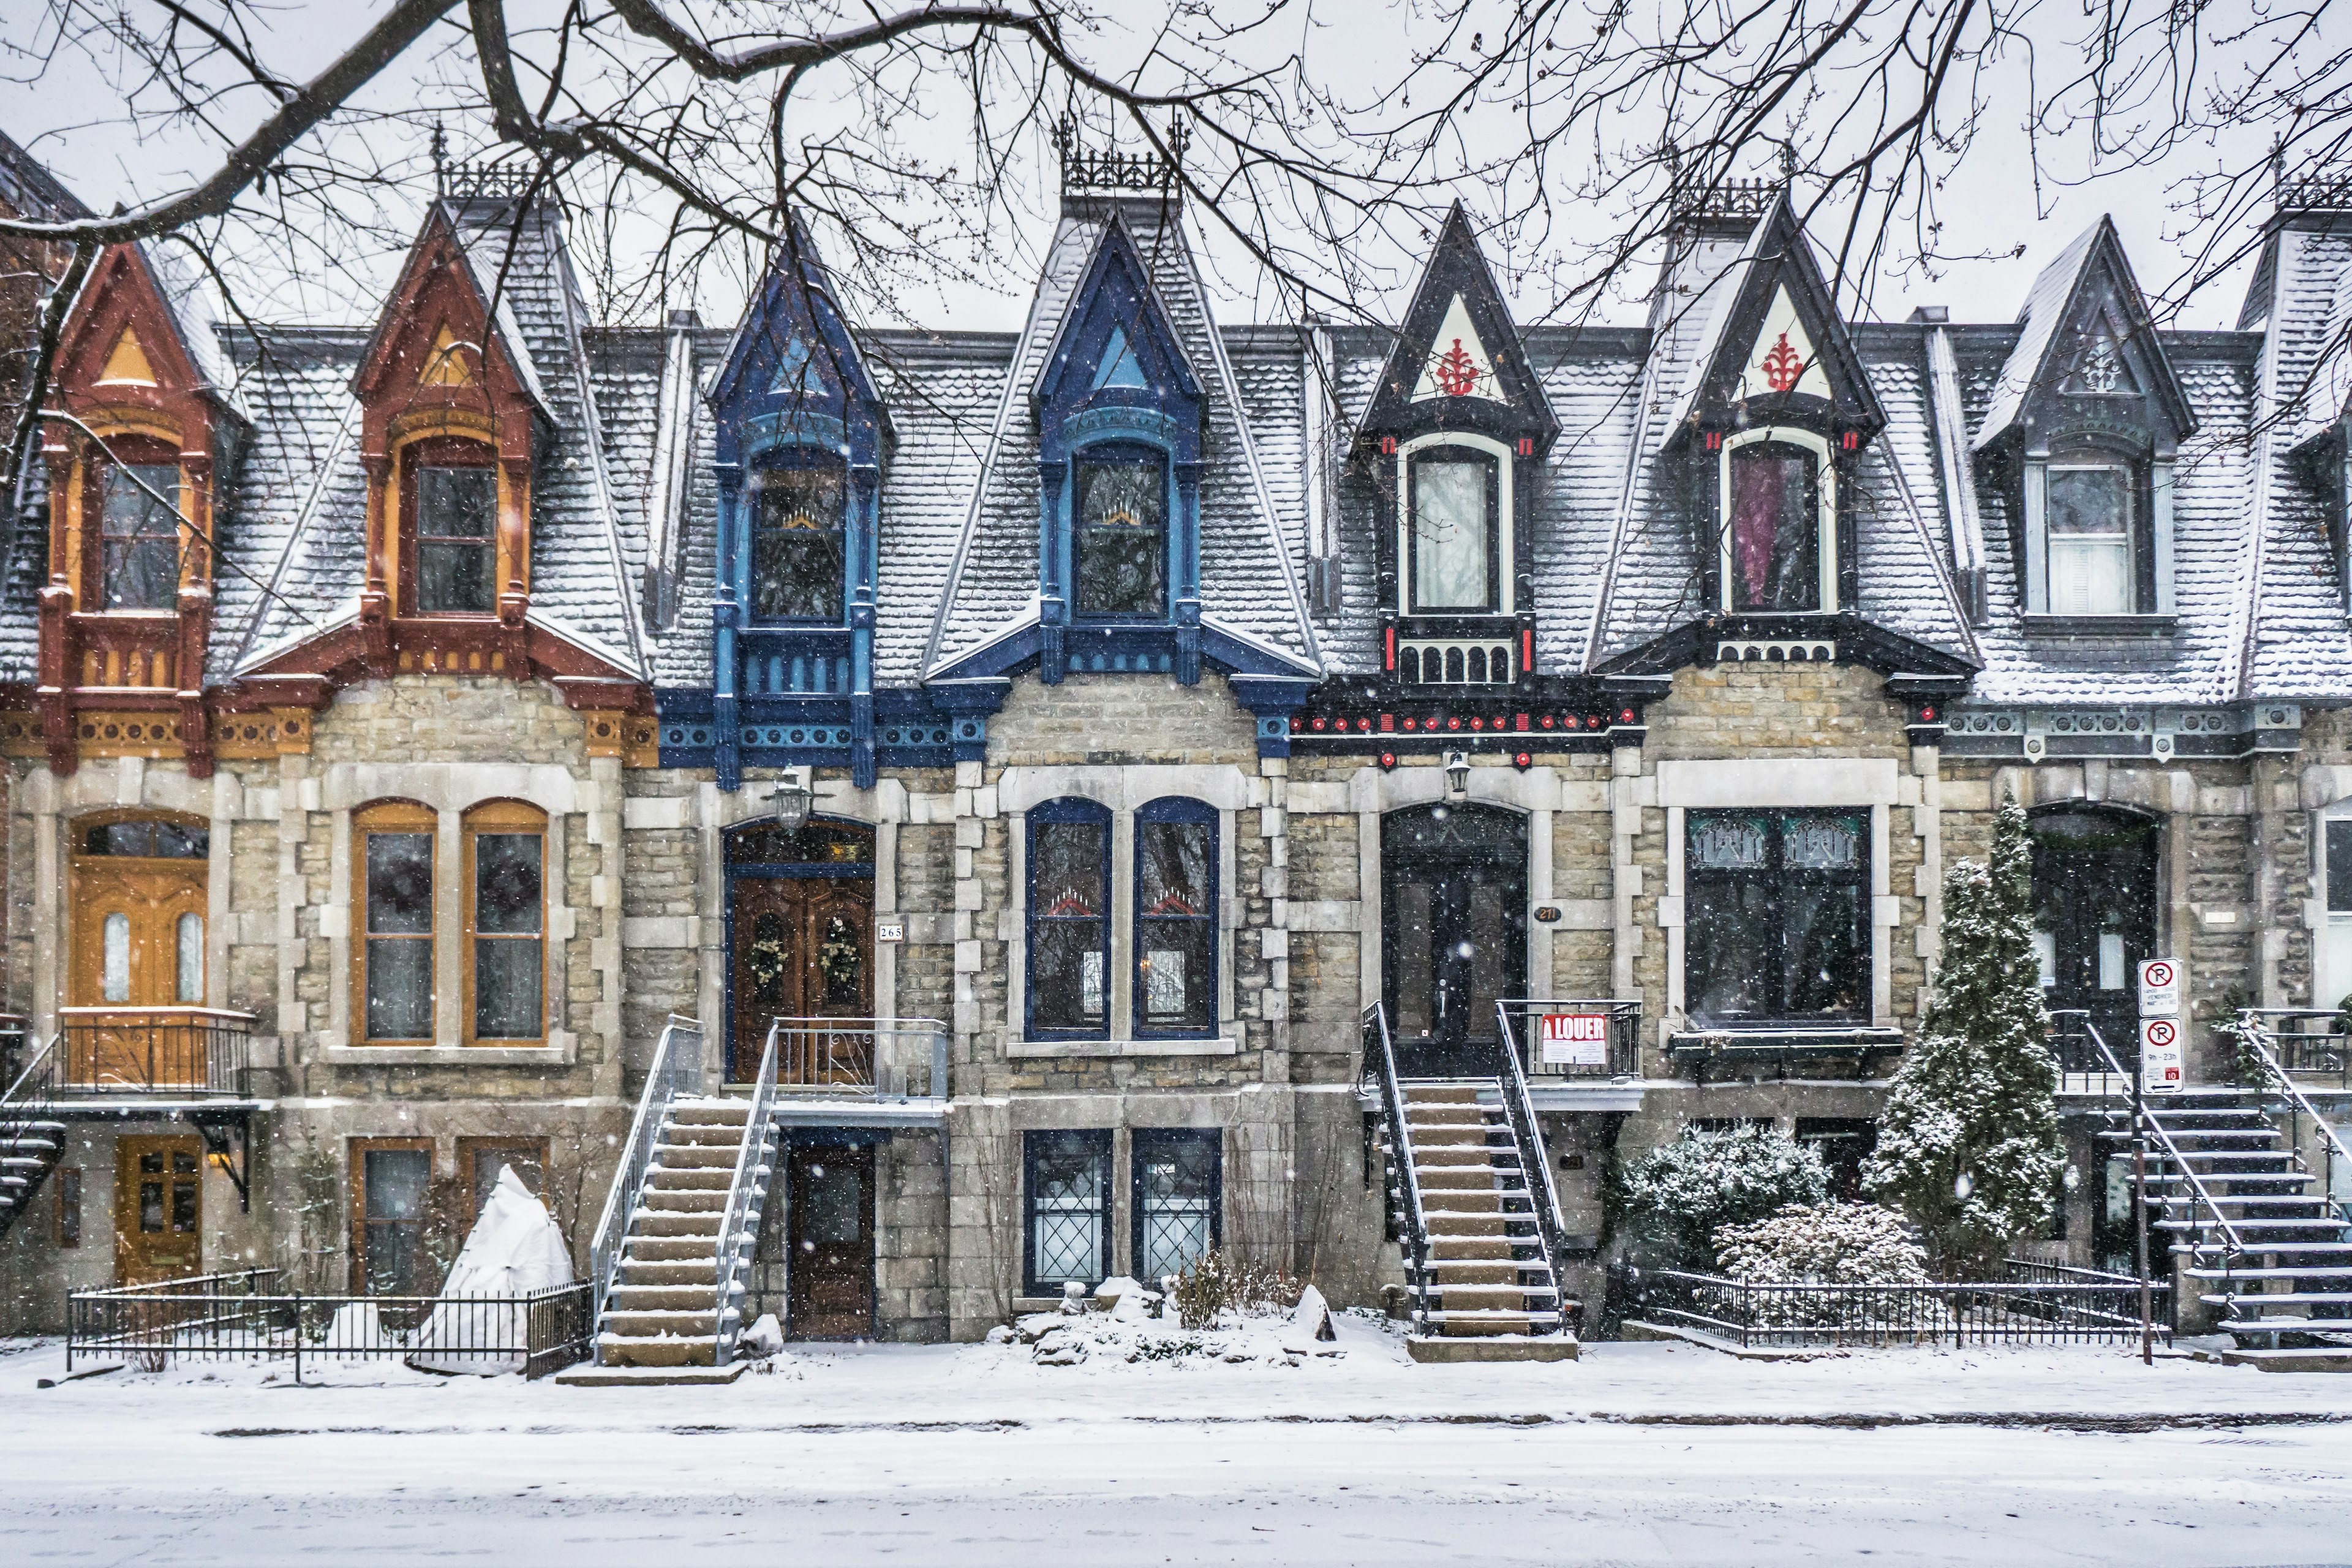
column 1456, row 372
column 1782, row 365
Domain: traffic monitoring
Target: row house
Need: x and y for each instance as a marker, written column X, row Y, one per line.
column 1080, row 766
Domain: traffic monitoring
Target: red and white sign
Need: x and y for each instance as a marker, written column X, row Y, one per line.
column 2159, row 989
column 1576, row 1039
column 2161, row 1069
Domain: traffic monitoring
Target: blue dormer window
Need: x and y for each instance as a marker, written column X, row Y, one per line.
column 798, row 512
column 1121, row 533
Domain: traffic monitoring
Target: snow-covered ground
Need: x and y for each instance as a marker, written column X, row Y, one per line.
column 975, row 1455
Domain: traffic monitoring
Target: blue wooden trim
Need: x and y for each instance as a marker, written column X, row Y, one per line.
column 1176, row 808
column 1098, row 1139
column 1140, row 1140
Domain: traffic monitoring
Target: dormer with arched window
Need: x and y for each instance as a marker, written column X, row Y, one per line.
column 2081, row 434
column 1456, row 434
column 803, row 437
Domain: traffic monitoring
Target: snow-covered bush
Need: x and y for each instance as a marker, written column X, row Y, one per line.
column 1828, row 1244
column 1672, row 1200
column 1969, row 1142
column 1220, row 1281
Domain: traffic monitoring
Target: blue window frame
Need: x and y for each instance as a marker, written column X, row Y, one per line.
column 1069, row 920
column 1179, row 1198
column 799, row 527
column 1065, row 1209
column 1118, row 532
column 1176, row 918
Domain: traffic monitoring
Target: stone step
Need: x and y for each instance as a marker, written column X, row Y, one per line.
column 657, row 1223
column 631, row 1298
column 641, row 1248
column 624, row 1349
column 698, row 1156
column 1440, row 1094
column 683, row 1200
column 679, row 1323
column 705, row 1177
column 701, row 1268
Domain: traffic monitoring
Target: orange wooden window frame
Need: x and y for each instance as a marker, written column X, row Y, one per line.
column 445, row 452
column 134, row 451
column 505, row 816
column 389, row 816
column 360, row 1148
column 467, row 1147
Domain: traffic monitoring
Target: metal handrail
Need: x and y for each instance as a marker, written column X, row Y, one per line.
column 797, row 1064
column 1623, row 1048
column 680, row 1039
column 30, row 1102
column 2334, row 1144
column 1535, row 1164
column 1384, row 1067
column 2148, row 1118
column 753, row 1173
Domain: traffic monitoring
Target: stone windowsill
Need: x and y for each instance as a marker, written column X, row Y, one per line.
column 563, row 1050
column 1226, row 1047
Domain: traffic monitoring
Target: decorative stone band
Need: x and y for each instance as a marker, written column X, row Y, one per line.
column 1776, row 651
column 2157, row 733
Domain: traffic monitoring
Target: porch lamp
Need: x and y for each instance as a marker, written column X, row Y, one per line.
column 792, row 803
column 1457, row 774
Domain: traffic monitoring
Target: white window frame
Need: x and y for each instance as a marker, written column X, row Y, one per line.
column 1824, row 472
column 2332, row 964
column 2096, row 465
column 1507, row 581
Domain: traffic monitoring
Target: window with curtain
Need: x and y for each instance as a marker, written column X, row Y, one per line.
column 1069, row 919
column 1178, row 1187
column 2087, row 512
column 1120, row 533
column 453, row 510
column 506, row 921
column 394, row 871
column 1067, row 1233
column 798, row 554
column 1454, row 532
column 1775, row 528
column 1776, row 916
column 1176, row 917
column 139, row 536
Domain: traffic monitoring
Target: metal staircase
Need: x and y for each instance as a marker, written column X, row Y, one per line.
column 32, row 1135
column 1471, row 1199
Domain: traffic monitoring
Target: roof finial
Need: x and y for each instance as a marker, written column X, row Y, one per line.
column 440, row 159
column 1788, row 162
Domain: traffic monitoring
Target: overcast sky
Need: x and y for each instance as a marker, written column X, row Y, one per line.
column 65, row 112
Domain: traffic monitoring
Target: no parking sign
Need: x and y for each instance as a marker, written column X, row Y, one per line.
column 2159, row 989
column 2160, row 1061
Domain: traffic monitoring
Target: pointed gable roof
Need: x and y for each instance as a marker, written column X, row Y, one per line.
column 1115, row 296
column 140, row 283
column 442, row 245
column 1457, row 356
column 2085, row 317
column 795, row 342
column 1776, row 335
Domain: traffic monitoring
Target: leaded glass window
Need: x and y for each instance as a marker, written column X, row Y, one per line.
column 1177, row 1189
column 1176, row 917
column 2088, row 512
column 1069, row 919
column 798, row 551
column 1120, row 533
column 396, row 917
column 1067, row 1230
column 1775, row 528
column 457, row 540
column 1453, row 534
column 1776, row 916
column 140, row 534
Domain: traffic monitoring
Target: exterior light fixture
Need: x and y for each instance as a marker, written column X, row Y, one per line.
column 1457, row 774
column 791, row 802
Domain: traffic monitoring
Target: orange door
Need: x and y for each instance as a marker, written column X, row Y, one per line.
column 138, row 943
column 158, row 1209
column 804, row 949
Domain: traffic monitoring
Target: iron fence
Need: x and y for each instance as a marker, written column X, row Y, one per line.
column 1599, row 1036
column 244, row 1316
column 900, row 1058
column 2046, row 1305
column 154, row 1050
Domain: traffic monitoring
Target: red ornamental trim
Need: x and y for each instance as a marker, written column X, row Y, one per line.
column 1523, row 761
column 1388, row 761
column 1526, row 651
column 1782, row 365
column 1456, row 372
column 1389, row 656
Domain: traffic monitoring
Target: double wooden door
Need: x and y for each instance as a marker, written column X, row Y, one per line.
column 804, row 948
column 158, row 1191
column 829, row 1191
column 138, row 943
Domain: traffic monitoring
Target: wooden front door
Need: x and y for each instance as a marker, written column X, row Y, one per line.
column 158, row 1191
column 804, row 949
column 138, row 941
column 831, row 1195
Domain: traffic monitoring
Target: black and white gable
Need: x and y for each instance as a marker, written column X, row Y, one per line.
column 1457, row 362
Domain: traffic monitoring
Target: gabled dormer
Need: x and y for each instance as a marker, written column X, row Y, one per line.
column 1117, row 403
column 151, row 431
column 1456, row 433
column 2081, row 433
column 801, row 438
column 453, row 417
column 1772, row 412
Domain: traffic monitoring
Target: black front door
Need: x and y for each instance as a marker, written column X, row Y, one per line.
column 2094, row 898
column 1454, row 934
column 830, row 1293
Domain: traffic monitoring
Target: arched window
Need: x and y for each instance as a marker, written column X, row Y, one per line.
column 799, row 514
column 450, row 506
column 1176, row 917
column 506, row 923
column 393, row 873
column 134, row 492
column 1779, row 549
column 1069, row 920
column 1454, row 530
column 1121, row 532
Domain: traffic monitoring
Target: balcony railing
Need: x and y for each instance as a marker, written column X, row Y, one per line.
column 154, row 1050
column 1590, row 1038
column 894, row 1058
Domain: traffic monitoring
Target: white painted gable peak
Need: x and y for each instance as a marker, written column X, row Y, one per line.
column 1784, row 359
column 1457, row 365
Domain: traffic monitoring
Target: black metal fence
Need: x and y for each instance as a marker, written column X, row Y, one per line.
column 1592, row 1037
column 155, row 1050
column 2042, row 1304
column 242, row 1315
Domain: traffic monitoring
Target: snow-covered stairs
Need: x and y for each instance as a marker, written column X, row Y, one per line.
column 1487, row 1274
column 663, row 1308
column 2285, row 1298
column 32, row 1137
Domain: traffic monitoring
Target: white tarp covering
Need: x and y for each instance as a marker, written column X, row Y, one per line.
column 516, row 1249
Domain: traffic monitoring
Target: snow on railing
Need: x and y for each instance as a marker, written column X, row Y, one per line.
column 676, row 1068
column 1380, row 1064
column 2272, row 1057
column 753, row 1173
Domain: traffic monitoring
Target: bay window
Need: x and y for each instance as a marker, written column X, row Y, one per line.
column 1776, row 916
column 1176, row 917
column 1453, row 532
column 1774, row 523
column 1069, row 919
column 1120, row 533
column 395, row 877
column 799, row 553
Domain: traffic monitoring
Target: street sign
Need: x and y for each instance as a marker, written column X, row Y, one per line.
column 2160, row 1057
column 1576, row 1039
column 2159, row 989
